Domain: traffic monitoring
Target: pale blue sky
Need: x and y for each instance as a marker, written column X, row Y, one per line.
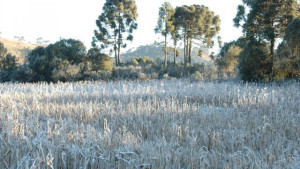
column 52, row 19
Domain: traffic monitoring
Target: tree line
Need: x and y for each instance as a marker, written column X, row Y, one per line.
column 65, row 60
column 253, row 57
column 194, row 24
column 255, row 54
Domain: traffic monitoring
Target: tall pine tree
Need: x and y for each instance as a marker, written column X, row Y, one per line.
column 165, row 25
column 198, row 25
column 115, row 26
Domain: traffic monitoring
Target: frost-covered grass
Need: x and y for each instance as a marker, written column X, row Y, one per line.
column 157, row 124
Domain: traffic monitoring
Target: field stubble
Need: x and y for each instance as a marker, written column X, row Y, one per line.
column 152, row 124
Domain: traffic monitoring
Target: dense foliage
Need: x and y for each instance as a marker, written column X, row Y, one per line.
column 264, row 21
column 65, row 60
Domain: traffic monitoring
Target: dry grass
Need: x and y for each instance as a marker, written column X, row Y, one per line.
column 158, row 124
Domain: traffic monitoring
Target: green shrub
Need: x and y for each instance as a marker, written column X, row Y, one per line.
column 143, row 61
column 100, row 75
column 22, row 74
column 166, row 76
column 255, row 62
column 197, row 76
column 134, row 62
column 129, row 72
column 176, row 72
column 5, row 76
column 99, row 61
column 66, row 73
column 142, row 76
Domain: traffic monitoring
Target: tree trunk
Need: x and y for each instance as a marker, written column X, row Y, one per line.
column 184, row 50
column 166, row 52
column 119, row 40
column 119, row 47
column 272, row 46
column 190, row 52
column 115, row 50
column 187, row 52
column 119, row 55
column 272, row 55
column 175, row 55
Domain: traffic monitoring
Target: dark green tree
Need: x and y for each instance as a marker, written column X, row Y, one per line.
column 266, row 20
column 165, row 25
column 287, row 63
column 63, row 58
column 40, row 64
column 116, row 25
column 292, row 37
column 255, row 61
column 9, row 62
column 67, row 49
column 66, row 56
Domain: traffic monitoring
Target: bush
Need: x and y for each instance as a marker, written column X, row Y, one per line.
column 197, row 76
column 5, row 76
column 210, row 72
column 143, row 62
column 22, row 74
column 134, row 62
column 99, row 61
column 176, row 72
column 100, row 75
column 154, row 75
column 105, row 75
column 66, row 73
column 166, row 76
column 129, row 72
column 142, row 76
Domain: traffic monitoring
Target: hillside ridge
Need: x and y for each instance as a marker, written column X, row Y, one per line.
column 19, row 48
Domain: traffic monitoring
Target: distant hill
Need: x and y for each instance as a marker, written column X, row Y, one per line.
column 155, row 51
column 22, row 49
column 18, row 48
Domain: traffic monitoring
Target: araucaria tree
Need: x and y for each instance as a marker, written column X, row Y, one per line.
column 198, row 25
column 115, row 26
column 266, row 20
column 165, row 24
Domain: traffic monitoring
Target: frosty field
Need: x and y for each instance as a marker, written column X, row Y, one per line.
column 170, row 124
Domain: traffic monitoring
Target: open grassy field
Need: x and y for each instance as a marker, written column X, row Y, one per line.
column 157, row 124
